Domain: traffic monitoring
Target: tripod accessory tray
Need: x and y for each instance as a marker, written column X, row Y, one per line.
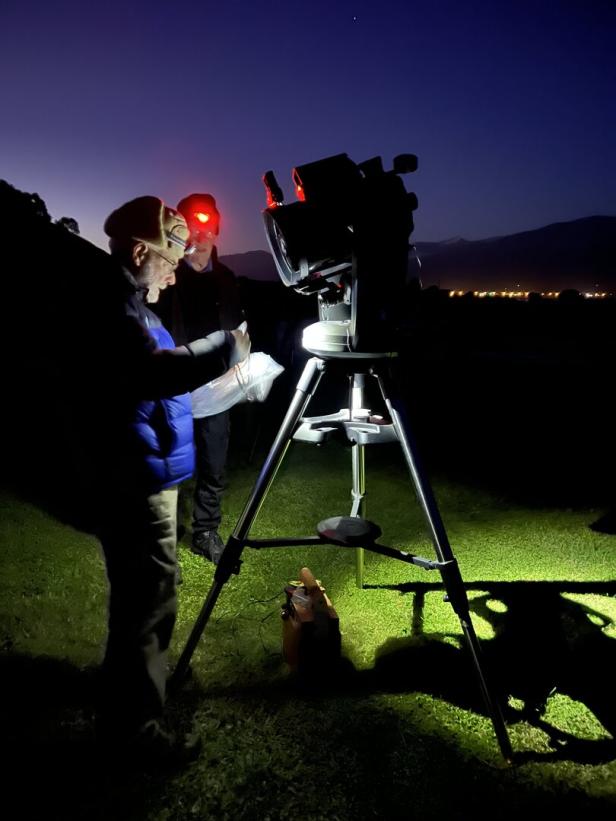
column 348, row 531
column 361, row 429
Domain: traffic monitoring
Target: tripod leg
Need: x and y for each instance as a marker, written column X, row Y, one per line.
column 181, row 668
column 358, row 464
column 450, row 573
column 358, row 467
column 229, row 561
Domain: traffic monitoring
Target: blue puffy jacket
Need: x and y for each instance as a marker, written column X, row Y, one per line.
column 164, row 429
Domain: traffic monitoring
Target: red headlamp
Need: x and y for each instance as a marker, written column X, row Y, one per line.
column 201, row 214
column 204, row 219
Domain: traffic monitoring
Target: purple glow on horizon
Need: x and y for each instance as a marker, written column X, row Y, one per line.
column 510, row 110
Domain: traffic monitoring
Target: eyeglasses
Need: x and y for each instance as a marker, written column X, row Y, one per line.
column 173, row 263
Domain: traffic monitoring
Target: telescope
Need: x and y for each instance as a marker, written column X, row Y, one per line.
column 345, row 238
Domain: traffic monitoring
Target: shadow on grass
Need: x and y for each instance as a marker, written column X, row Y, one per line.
column 54, row 768
column 340, row 753
column 544, row 643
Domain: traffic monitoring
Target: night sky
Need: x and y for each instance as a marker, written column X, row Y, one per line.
column 508, row 105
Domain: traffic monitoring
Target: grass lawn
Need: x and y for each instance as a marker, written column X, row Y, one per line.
column 402, row 735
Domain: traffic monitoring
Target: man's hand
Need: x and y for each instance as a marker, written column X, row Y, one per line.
column 241, row 348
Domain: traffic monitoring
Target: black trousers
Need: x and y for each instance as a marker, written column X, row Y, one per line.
column 212, row 445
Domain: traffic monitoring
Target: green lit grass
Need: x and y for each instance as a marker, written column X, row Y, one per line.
column 403, row 735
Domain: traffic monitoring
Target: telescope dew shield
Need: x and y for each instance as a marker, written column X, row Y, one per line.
column 380, row 260
column 329, row 183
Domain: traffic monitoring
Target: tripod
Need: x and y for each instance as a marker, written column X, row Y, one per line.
column 360, row 429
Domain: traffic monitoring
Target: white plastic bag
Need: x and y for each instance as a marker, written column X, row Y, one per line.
column 250, row 381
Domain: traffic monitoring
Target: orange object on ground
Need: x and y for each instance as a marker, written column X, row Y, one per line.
column 311, row 628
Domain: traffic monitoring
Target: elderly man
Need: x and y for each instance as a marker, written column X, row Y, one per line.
column 153, row 451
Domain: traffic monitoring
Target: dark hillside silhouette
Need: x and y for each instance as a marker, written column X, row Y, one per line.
column 580, row 254
column 62, row 300
column 253, row 264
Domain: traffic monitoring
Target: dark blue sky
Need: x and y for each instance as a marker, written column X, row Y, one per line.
column 509, row 105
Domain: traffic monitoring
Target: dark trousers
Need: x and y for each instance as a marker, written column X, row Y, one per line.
column 139, row 542
column 212, row 444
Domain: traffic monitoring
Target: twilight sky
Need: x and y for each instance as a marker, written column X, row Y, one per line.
column 509, row 104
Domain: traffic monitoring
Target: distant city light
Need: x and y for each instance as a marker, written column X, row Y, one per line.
column 526, row 294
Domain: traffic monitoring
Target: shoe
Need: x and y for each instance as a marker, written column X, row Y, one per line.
column 208, row 544
column 151, row 747
column 156, row 746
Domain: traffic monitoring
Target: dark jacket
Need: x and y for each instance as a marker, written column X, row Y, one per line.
column 200, row 302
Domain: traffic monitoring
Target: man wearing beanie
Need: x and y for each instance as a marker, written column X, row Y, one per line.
column 204, row 299
column 152, row 453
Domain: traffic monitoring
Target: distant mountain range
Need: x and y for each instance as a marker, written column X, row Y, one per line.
column 252, row 264
column 580, row 254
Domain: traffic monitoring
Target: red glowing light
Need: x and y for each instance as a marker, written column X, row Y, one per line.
column 300, row 193
column 201, row 217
